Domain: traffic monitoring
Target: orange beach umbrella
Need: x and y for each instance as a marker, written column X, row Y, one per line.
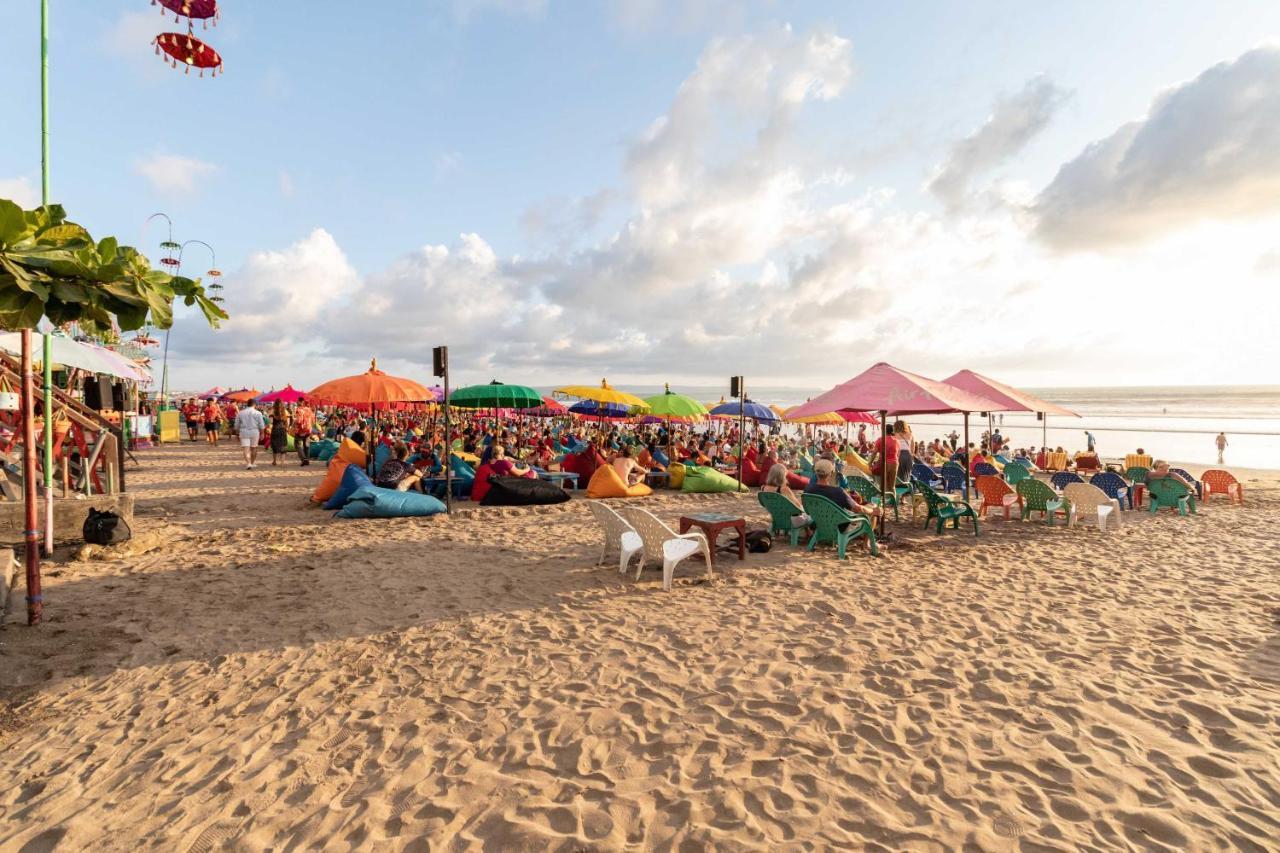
column 372, row 387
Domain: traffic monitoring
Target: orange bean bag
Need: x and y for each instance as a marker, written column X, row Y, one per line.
column 605, row 483
column 332, row 479
column 351, row 452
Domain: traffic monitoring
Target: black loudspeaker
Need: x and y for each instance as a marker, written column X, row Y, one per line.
column 439, row 361
column 92, row 393
column 1039, row 416
column 735, row 386
column 117, row 396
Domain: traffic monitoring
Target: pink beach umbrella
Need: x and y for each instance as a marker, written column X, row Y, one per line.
column 890, row 390
column 1008, row 398
column 213, row 393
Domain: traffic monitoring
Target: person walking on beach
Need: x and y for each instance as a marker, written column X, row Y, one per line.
column 249, row 425
column 191, row 414
column 1221, row 441
column 1091, row 441
column 212, row 416
column 304, row 419
column 279, row 433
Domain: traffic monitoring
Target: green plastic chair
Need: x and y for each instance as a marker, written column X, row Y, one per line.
column 945, row 510
column 1137, row 476
column 781, row 511
column 870, row 493
column 1039, row 497
column 1166, row 491
column 1015, row 473
column 827, row 519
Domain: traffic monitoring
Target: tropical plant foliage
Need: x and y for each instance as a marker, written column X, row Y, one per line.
column 50, row 267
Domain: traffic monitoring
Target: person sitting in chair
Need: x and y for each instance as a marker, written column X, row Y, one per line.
column 776, row 481
column 1160, row 471
column 824, row 476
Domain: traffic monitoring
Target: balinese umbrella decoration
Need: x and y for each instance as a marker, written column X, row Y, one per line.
column 193, row 10
column 188, row 51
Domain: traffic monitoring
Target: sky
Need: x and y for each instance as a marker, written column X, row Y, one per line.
column 1071, row 194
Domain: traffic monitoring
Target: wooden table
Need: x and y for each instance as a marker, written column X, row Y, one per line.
column 711, row 524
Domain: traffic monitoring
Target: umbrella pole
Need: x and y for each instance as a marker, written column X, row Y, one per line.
column 884, row 469
column 1044, row 431
column 968, row 469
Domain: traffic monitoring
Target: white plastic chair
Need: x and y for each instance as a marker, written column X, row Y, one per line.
column 661, row 543
column 1085, row 498
column 618, row 533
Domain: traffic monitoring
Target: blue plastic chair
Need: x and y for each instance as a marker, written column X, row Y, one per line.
column 926, row 475
column 1192, row 480
column 1114, row 486
column 954, row 479
column 986, row 469
column 1062, row 479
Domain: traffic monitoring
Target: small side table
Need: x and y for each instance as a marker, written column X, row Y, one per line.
column 711, row 524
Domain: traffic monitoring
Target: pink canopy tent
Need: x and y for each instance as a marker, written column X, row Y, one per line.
column 214, row 393
column 1009, row 399
column 858, row 417
column 892, row 391
column 287, row 395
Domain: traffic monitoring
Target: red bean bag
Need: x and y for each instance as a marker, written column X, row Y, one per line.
column 584, row 464
column 796, row 481
column 751, row 475
column 480, row 486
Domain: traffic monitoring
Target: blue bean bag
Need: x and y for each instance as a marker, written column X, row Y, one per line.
column 701, row 479
column 376, row 502
column 353, row 479
column 381, row 454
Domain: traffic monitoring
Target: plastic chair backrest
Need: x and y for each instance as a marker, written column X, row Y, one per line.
column 1136, row 474
column 1062, row 479
column 780, row 510
column 923, row 472
column 1036, row 494
column 1218, row 481
column 827, row 517
column 653, row 533
column 1110, row 482
column 984, row 469
column 1184, row 473
column 1166, row 491
column 932, row 498
column 1084, row 496
column 864, row 488
column 1015, row 473
column 993, row 489
column 1135, row 460
column 614, row 525
column 953, row 477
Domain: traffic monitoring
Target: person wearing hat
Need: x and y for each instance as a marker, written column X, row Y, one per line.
column 824, row 475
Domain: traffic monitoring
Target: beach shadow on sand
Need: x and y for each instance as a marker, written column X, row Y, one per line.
column 209, row 608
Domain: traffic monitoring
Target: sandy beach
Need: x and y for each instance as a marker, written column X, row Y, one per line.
column 269, row 678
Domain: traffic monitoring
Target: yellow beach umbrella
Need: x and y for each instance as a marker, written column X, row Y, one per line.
column 825, row 418
column 604, row 394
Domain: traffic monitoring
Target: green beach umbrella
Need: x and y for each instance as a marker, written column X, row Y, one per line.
column 495, row 395
column 672, row 405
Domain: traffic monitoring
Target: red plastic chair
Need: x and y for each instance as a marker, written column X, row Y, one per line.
column 1222, row 483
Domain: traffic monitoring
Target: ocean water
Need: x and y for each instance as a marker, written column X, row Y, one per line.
column 1174, row 423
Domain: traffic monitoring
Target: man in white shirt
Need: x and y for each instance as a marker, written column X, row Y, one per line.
column 249, row 424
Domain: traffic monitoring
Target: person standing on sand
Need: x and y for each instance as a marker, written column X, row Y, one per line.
column 1091, row 441
column 212, row 415
column 304, row 420
column 1221, row 441
column 249, row 425
column 279, row 433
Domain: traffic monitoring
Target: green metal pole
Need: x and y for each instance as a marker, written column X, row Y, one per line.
column 44, row 100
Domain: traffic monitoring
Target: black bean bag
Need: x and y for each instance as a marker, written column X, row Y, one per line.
column 520, row 491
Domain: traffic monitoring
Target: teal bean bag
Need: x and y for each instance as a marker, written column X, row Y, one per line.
column 702, row 480
column 323, row 449
column 353, row 479
column 376, row 502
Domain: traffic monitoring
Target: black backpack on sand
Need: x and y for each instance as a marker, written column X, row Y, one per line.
column 106, row 528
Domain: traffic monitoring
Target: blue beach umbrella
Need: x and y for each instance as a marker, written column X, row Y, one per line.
column 749, row 409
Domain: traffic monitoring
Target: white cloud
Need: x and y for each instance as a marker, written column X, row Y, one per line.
column 447, row 163
column 173, row 173
column 20, row 191
column 731, row 247
column 1014, row 121
column 276, row 300
column 1208, row 149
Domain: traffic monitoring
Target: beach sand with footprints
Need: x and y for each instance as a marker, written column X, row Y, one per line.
column 269, row 678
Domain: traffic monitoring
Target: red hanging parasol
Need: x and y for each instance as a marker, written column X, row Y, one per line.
column 200, row 10
column 189, row 51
